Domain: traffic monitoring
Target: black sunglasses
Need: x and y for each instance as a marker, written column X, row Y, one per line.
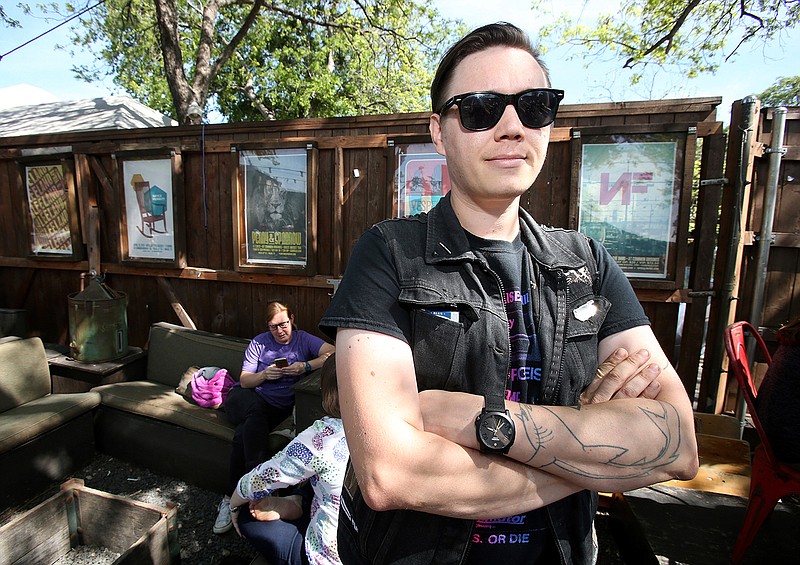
column 480, row 111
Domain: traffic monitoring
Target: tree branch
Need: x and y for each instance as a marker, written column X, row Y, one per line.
column 203, row 81
column 747, row 37
column 202, row 67
column 668, row 38
column 249, row 91
column 309, row 20
column 173, row 58
column 744, row 13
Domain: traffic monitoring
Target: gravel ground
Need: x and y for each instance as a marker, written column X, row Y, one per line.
column 196, row 513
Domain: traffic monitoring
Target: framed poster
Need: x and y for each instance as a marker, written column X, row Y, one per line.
column 52, row 211
column 630, row 198
column 420, row 178
column 274, row 200
column 150, row 207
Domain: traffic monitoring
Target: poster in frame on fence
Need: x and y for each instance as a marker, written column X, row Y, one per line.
column 150, row 225
column 273, row 199
column 630, row 197
column 51, row 213
column 420, row 178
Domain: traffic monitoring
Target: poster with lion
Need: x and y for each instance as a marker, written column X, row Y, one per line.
column 276, row 183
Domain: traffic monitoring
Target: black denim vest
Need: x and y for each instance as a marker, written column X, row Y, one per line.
column 472, row 355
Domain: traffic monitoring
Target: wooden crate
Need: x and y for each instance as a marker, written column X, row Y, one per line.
column 142, row 533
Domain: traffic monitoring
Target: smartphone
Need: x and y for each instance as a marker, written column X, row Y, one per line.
column 281, row 362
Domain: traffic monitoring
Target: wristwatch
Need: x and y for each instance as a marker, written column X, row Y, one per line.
column 494, row 427
column 308, row 367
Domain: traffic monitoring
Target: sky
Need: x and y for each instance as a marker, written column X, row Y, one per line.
column 45, row 69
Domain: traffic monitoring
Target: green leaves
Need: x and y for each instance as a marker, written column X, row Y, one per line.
column 7, row 20
column 691, row 36
column 265, row 60
column 785, row 92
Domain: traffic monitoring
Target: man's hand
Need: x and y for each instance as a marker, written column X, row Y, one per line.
column 623, row 376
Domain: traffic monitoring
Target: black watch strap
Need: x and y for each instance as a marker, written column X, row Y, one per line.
column 494, row 403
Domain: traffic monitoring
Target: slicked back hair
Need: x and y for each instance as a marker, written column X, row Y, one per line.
column 500, row 34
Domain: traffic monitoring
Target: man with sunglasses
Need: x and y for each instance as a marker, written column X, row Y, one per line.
column 479, row 418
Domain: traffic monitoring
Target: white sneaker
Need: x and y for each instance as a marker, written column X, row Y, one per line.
column 223, row 522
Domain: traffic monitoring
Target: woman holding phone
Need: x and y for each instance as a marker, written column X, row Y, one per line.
column 264, row 396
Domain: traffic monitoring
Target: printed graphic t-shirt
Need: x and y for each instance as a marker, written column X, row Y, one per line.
column 524, row 538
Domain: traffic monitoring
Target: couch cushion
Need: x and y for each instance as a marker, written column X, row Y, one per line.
column 34, row 418
column 24, row 373
column 159, row 401
column 173, row 348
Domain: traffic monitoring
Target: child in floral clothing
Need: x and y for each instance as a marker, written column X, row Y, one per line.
column 276, row 526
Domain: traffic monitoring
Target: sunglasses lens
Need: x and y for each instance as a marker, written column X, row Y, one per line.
column 537, row 108
column 481, row 111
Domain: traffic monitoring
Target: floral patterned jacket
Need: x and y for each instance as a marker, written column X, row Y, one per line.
column 319, row 453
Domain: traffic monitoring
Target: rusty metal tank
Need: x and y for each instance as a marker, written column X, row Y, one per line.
column 98, row 323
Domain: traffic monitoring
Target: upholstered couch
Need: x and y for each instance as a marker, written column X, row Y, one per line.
column 43, row 437
column 148, row 423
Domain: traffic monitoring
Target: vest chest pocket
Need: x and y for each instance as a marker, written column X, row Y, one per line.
column 437, row 345
column 585, row 317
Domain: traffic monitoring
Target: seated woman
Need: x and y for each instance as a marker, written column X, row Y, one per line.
column 276, row 526
column 273, row 362
column 779, row 396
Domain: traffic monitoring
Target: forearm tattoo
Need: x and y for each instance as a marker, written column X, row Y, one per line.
column 633, row 461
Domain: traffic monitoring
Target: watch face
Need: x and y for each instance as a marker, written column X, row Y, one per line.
column 496, row 431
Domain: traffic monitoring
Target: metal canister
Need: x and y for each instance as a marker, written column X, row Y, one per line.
column 98, row 323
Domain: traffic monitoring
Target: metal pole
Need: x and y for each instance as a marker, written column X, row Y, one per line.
column 776, row 152
column 761, row 261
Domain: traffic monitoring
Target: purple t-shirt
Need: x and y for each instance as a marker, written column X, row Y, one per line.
column 262, row 352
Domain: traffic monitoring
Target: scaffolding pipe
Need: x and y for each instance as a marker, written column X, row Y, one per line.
column 728, row 281
column 776, row 152
column 761, row 260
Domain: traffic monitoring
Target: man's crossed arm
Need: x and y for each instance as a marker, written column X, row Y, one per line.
column 630, row 430
column 419, row 451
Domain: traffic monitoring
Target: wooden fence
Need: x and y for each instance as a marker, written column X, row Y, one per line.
column 212, row 285
column 765, row 292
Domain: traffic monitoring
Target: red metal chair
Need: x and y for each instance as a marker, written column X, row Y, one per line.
column 770, row 479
